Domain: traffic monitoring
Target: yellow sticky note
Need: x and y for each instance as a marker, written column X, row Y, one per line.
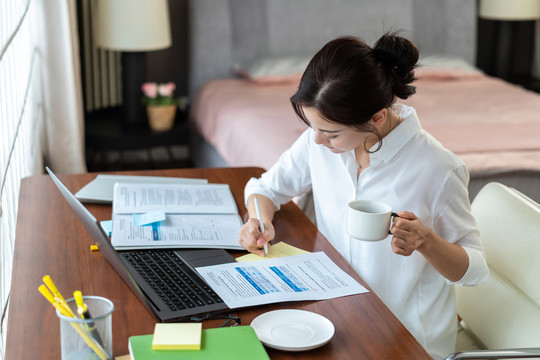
column 177, row 336
column 278, row 250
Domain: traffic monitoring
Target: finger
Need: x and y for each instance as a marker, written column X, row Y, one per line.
column 269, row 232
column 406, row 215
column 262, row 241
column 401, row 250
column 247, row 238
column 258, row 251
column 400, row 229
column 399, row 232
column 400, row 246
column 253, row 247
column 397, row 249
column 252, row 240
column 408, row 225
column 257, row 247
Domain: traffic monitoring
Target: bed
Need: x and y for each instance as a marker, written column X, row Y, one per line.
column 248, row 55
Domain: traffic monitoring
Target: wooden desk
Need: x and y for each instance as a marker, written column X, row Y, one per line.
column 51, row 240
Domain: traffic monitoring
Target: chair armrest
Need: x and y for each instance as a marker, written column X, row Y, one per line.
column 496, row 354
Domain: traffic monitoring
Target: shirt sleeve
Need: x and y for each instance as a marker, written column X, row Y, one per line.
column 455, row 223
column 286, row 179
column 477, row 272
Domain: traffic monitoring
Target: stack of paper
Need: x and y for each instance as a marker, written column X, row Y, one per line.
column 101, row 189
column 175, row 216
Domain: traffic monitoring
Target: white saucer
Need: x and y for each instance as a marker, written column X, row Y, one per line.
column 293, row 330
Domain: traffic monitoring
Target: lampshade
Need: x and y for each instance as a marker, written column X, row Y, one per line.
column 133, row 25
column 509, row 9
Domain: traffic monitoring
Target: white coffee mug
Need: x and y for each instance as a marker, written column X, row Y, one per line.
column 369, row 220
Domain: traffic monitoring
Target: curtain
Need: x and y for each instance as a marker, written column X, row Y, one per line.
column 40, row 109
column 64, row 120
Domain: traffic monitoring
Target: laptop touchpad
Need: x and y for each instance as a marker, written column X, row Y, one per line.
column 205, row 257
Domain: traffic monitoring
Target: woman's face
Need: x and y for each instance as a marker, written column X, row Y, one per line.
column 336, row 137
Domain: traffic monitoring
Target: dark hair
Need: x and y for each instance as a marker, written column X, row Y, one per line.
column 347, row 81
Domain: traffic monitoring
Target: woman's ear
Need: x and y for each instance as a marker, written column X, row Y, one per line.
column 379, row 118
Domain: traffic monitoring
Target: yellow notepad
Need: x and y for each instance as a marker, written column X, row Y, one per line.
column 177, row 336
column 280, row 249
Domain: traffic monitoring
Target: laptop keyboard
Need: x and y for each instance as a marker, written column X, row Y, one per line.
column 173, row 280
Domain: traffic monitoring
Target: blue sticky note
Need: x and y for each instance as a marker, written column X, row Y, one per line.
column 106, row 225
column 148, row 218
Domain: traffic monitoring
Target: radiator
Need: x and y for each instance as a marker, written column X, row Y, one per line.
column 101, row 69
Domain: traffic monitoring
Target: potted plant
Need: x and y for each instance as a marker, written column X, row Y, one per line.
column 160, row 105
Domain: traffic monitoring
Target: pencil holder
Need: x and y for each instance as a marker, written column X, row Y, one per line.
column 89, row 337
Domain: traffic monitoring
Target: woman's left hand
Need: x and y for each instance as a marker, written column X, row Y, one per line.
column 409, row 233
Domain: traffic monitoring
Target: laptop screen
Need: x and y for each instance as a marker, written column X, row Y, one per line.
column 98, row 235
column 192, row 302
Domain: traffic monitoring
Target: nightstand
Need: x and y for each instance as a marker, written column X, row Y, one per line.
column 105, row 132
column 527, row 81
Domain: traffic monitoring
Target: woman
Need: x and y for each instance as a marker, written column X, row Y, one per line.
column 361, row 145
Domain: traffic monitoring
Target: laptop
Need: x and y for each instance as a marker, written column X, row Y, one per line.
column 165, row 280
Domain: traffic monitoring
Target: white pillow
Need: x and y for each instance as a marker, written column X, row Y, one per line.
column 274, row 70
column 446, row 67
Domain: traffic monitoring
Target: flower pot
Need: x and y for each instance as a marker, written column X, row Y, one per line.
column 161, row 117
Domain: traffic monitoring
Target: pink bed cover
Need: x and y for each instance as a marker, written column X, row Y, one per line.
column 490, row 124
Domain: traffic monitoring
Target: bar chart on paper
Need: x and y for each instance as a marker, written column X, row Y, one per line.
column 311, row 276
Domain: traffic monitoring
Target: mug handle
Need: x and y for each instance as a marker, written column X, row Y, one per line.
column 392, row 215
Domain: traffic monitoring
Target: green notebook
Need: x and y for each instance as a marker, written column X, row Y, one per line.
column 235, row 342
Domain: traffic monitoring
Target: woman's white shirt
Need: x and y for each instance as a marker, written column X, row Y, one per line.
column 412, row 171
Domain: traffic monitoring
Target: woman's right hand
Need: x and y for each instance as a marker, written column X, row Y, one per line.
column 252, row 239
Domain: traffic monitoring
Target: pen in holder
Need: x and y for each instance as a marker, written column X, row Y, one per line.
column 88, row 338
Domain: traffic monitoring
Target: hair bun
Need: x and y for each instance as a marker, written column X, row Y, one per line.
column 400, row 57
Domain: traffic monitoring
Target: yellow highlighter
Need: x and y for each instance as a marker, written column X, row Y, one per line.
column 48, row 281
column 84, row 313
column 57, row 296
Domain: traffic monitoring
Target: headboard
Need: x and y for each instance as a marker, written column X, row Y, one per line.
column 225, row 33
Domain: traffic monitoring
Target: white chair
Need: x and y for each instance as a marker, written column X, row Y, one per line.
column 503, row 313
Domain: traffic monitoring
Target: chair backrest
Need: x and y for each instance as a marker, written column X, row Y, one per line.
column 505, row 312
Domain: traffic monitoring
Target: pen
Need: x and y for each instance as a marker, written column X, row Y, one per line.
column 84, row 313
column 258, row 210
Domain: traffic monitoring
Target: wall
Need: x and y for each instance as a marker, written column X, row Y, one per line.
column 173, row 64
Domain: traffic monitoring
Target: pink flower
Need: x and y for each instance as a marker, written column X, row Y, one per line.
column 166, row 89
column 150, row 89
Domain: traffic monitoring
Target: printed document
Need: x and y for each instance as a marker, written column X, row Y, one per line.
column 300, row 277
column 101, row 189
column 195, row 216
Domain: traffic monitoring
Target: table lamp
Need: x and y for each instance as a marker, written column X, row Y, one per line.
column 133, row 27
column 509, row 9
column 507, row 12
